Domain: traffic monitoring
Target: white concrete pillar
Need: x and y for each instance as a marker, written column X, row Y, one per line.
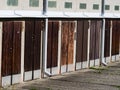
column 75, row 42
column 111, row 41
column 22, row 50
column 88, row 47
column 59, row 48
column 0, row 53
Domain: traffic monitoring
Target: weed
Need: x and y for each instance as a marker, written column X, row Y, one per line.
column 49, row 89
column 98, row 68
column 117, row 86
column 33, row 89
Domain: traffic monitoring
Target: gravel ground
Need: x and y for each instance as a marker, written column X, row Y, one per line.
column 95, row 78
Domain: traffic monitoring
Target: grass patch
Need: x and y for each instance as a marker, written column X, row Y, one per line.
column 117, row 86
column 49, row 89
column 40, row 89
column 33, row 89
column 98, row 68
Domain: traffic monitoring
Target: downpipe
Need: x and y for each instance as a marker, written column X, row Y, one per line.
column 45, row 49
column 103, row 43
column 45, row 72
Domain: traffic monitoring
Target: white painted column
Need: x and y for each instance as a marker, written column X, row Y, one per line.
column 0, row 53
column 75, row 37
column 111, row 41
column 119, row 46
column 41, row 57
column 59, row 48
column 88, row 47
column 22, row 50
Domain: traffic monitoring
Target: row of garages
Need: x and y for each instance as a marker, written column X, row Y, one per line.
column 71, row 45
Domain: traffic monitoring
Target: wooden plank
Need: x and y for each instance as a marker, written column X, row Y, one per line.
column 97, row 39
column 79, row 41
column 16, row 62
column 92, row 39
column 49, row 46
column 55, row 43
column 7, row 50
column 107, row 38
column 118, row 26
column 29, row 29
column 71, row 42
column 117, row 37
column 64, row 44
column 114, row 38
column 85, row 40
column 37, row 44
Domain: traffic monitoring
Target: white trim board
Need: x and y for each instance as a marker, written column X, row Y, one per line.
column 54, row 14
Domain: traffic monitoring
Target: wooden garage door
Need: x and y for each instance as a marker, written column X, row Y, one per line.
column 11, row 48
column 32, row 45
column 82, row 40
column 67, row 42
column 52, row 47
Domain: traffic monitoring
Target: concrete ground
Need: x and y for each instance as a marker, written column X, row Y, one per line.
column 95, row 78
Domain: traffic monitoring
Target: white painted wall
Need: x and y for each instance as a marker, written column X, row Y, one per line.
column 112, row 3
column 22, row 5
column 75, row 6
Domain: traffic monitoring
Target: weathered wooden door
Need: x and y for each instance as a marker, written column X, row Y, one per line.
column 52, row 47
column 11, row 52
column 82, row 42
column 115, row 39
column 95, row 29
column 32, row 49
column 67, row 45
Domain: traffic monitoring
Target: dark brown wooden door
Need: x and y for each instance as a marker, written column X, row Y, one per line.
column 95, row 27
column 11, row 48
column 82, row 40
column 32, row 44
column 67, row 42
column 52, row 48
column 107, row 39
